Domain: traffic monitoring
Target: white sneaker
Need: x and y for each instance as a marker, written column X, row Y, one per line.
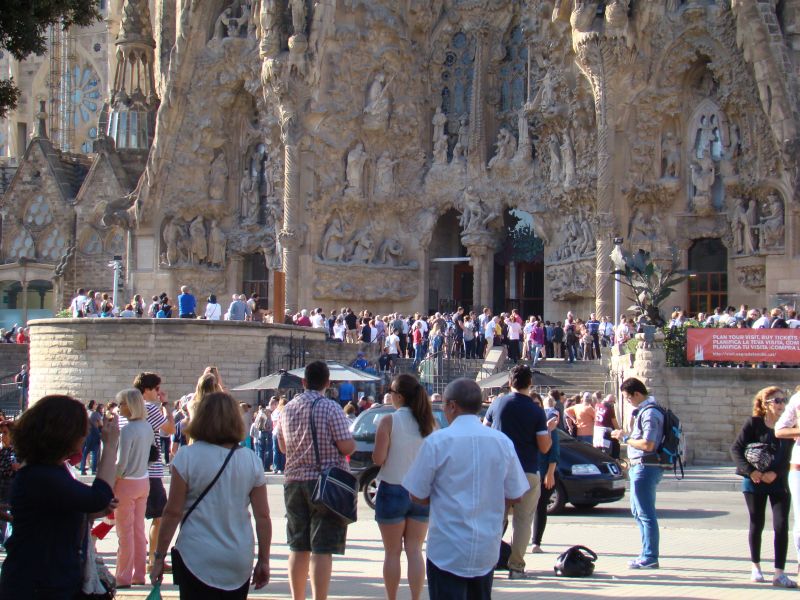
column 756, row 576
column 783, row 581
column 536, row 549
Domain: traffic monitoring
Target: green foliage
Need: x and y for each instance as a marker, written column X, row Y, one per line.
column 675, row 346
column 23, row 31
column 64, row 313
column 650, row 282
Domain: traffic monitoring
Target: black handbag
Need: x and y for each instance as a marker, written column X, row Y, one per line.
column 577, row 561
column 336, row 489
column 760, row 455
column 154, row 455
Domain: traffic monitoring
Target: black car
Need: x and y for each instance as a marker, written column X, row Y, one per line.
column 585, row 477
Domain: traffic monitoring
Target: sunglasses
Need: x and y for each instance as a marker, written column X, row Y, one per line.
column 776, row 401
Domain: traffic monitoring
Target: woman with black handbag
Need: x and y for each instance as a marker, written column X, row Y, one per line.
column 211, row 490
column 763, row 462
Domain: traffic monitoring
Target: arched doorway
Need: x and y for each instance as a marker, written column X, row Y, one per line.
column 519, row 266
column 708, row 284
column 449, row 272
column 256, row 278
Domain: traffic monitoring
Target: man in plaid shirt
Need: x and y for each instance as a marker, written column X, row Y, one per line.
column 314, row 534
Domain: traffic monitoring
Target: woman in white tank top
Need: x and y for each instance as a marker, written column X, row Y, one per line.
column 403, row 523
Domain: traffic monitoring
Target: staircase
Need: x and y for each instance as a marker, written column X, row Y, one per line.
column 583, row 376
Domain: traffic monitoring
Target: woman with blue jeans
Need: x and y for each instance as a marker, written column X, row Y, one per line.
column 278, row 457
column 403, row 523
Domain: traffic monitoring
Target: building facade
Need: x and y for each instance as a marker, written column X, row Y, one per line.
column 420, row 154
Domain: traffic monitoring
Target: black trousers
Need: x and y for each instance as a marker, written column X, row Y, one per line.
column 540, row 516
column 443, row 585
column 757, row 507
column 191, row 588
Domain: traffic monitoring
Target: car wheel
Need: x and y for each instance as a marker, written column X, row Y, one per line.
column 585, row 505
column 371, row 489
column 558, row 499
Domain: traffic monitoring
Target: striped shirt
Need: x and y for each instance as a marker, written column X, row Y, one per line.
column 156, row 419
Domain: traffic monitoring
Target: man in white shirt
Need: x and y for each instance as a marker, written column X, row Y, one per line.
column 467, row 500
column 761, row 321
column 77, row 306
column 318, row 319
column 392, row 344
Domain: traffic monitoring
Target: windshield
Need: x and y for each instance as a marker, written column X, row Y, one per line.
column 366, row 425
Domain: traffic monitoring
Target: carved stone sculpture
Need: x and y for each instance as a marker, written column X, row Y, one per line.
column 216, row 245
column 703, row 175
column 250, row 199
column 571, row 282
column 439, row 121
column 384, row 175
column 752, row 276
column 376, row 111
column 744, row 227
column 670, row 156
column 568, row 156
column 506, row 146
column 390, row 253
column 218, row 175
column 772, row 222
column 172, row 240
column 463, row 134
column 439, row 137
column 555, row 159
column 333, row 248
column 298, row 16
column 362, row 247
column 199, row 242
column 355, row 170
column 524, row 153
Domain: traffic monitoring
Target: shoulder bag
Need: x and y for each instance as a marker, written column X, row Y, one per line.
column 336, row 489
column 177, row 562
column 577, row 561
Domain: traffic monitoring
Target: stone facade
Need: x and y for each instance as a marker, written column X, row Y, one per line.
column 93, row 359
column 352, row 145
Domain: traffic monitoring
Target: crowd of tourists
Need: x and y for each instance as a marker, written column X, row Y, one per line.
column 424, row 473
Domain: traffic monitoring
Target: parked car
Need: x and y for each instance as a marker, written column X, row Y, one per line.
column 585, row 477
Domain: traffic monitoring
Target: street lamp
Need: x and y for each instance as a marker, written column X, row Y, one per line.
column 616, row 257
column 115, row 264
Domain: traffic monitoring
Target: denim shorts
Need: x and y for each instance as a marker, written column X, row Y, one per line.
column 393, row 505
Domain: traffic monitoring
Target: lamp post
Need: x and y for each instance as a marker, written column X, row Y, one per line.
column 115, row 264
column 616, row 256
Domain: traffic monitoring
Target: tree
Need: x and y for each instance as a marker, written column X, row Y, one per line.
column 23, row 31
column 650, row 282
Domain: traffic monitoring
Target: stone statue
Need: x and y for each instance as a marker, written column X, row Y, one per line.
column 390, row 253
column 472, row 212
column 587, row 243
column 216, row 245
column 377, row 108
column 250, row 200
column 362, row 247
column 568, row 157
column 463, row 133
column 298, row 16
column 638, row 230
column 772, row 222
column 703, row 175
column 355, row 169
column 384, row 180
column 524, row 153
column 440, row 151
column 333, row 240
column 439, row 121
column 270, row 26
column 506, row 146
column 547, row 90
column 218, row 175
column 172, row 240
column 199, row 243
column 743, row 223
column 670, row 156
column 555, row 159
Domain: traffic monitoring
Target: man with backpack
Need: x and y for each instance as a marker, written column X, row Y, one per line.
column 645, row 472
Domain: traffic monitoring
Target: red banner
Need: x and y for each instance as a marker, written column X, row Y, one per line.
column 743, row 345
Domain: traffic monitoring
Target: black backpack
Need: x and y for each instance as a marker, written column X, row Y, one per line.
column 669, row 453
column 577, row 561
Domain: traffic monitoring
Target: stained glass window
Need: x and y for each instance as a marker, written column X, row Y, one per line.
column 513, row 74
column 457, row 80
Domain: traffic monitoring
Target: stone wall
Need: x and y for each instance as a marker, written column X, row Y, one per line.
column 93, row 359
column 712, row 403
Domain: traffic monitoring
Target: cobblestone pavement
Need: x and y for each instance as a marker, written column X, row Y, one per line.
column 703, row 553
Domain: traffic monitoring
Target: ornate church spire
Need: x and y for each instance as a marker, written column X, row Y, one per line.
column 134, row 102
